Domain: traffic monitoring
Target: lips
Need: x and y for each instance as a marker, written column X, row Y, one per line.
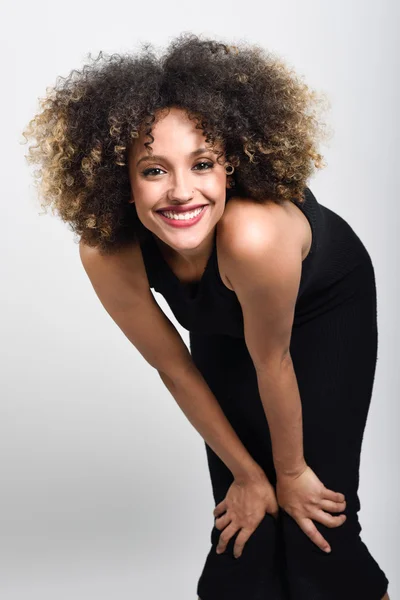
column 186, row 222
column 179, row 209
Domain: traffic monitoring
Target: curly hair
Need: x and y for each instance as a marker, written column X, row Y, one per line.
column 240, row 95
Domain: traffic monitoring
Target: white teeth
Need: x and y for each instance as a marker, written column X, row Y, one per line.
column 182, row 216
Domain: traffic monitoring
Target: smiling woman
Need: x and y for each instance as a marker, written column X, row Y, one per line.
column 188, row 175
column 253, row 110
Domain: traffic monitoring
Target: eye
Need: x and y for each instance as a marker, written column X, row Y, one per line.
column 208, row 164
column 150, row 171
column 203, row 162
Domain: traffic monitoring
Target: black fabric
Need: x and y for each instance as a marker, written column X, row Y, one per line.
column 334, row 352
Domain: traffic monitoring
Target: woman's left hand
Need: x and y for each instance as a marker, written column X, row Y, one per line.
column 244, row 507
column 305, row 498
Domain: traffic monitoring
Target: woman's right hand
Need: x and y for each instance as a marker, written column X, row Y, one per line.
column 243, row 508
column 305, row 498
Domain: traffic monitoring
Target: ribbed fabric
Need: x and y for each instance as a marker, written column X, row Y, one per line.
column 334, row 352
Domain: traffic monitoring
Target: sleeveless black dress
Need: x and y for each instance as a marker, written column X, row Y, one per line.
column 334, row 352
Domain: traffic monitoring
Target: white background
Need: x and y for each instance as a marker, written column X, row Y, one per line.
column 105, row 491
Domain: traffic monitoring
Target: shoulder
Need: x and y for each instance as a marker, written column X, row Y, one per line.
column 261, row 258
column 250, row 229
column 124, row 269
column 91, row 255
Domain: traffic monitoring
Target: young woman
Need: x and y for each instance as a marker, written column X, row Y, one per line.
column 187, row 174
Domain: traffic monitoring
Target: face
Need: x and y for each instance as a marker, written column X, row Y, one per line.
column 181, row 174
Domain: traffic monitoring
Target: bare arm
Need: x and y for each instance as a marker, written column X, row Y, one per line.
column 121, row 284
column 263, row 263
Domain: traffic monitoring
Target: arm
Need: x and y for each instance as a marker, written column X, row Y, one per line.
column 121, row 284
column 263, row 261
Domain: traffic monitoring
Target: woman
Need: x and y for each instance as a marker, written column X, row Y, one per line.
column 187, row 174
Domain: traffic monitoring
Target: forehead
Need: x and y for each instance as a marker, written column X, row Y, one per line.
column 173, row 131
column 172, row 124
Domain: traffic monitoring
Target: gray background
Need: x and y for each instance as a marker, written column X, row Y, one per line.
column 104, row 483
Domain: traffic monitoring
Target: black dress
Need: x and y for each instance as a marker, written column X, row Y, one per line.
column 334, row 353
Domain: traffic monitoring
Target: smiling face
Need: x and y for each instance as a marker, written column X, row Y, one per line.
column 182, row 174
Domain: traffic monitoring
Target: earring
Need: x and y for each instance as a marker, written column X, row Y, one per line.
column 230, row 167
column 232, row 183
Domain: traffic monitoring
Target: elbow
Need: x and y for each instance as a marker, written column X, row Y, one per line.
column 273, row 363
column 174, row 375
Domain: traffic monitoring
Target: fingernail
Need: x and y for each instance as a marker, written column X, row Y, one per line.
column 327, row 549
column 218, row 551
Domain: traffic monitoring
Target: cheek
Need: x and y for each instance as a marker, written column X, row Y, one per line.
column 146, row 195
column 143, row 207
column 213, row 185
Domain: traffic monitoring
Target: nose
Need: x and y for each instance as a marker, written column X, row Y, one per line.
column 181, row 188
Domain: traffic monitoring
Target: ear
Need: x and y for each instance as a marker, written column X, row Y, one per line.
column 131, row 200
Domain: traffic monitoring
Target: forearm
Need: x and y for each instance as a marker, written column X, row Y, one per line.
column 280, row 397
column 202, row 409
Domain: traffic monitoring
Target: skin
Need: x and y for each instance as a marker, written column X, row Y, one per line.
column 181, row 178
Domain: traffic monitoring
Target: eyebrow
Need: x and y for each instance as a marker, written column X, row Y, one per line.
column 160, row 157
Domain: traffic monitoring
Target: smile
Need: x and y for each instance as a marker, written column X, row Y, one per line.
column 182, row 219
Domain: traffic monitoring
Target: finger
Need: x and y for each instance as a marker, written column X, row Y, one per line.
column 335, row 496
column 220, row 508
column 330, row 506
column 275, row 514
column 241, row 539
column 329, row 520
column 225, row 536
column 312, row 532
column 223, row 521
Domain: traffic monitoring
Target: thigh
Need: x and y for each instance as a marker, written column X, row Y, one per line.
column 334, row 357
column 349, row 571
column 257, row 574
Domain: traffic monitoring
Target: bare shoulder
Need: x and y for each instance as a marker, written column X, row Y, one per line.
column 246, row 222
column 247, row 225
column 126, row 259
column 122, row 274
